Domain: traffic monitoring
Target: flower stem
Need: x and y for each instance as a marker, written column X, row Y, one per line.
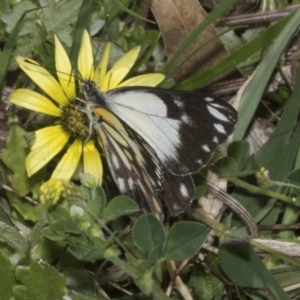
column 258, row 190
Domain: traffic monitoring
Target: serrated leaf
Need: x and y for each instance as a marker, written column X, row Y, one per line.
column 119, row 206
column 40, row 281
column 184, row 240
column 149, row 236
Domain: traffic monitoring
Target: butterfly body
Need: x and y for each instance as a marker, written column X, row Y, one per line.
column 154, row 139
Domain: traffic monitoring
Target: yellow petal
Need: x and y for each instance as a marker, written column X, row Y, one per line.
column 85, row 57
column 120, row 69
column 43, row 79
column 49, row 141
column 64, row 70
column 34, row 101
column 46, row 136
column 68, row 164
column 92, row 163
column 102, row 66
column 144, row 80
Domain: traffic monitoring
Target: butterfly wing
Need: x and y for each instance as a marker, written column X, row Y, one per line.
column 178, row 192
column 153, row 139
column 133, row 164
column 136, row 169
column 183, row 128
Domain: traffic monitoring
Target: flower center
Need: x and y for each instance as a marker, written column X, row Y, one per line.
column 75, row 121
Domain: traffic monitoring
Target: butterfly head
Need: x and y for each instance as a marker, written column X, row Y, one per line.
column 92, row 93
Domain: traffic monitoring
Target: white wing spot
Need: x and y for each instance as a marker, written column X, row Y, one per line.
column 220, row 128
column 200, row 162
column 121, row 184
column 215, row 140
column 205, row 148
column 216, row 113
column 130, row 183
column 128, row 155
column 216, row 105
column 208, row 99
column 178, row 103
column 185, row 119
column 115, row 161
column 183, row 190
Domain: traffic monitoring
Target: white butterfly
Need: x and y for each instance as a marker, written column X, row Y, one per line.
column 153, row 139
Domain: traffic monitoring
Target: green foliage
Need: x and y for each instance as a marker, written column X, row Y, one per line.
column 251, row 272
column 91, row 243
column 39, row 281
column 15, row 160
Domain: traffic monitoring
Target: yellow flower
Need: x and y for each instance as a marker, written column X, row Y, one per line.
column 51, row 191
column 72, row 129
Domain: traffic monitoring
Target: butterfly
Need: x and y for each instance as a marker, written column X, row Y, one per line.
column 153, row 139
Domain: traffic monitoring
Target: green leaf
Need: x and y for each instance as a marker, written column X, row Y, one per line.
column 184, row 240
column 29, row 212
column 91, row 251
column 47, row 250
column 207, row 286
column 58, row 213
column 149, row 236
column 286, row 275
column 257, row 85
column 278, row 156
column 98, row 249
column 8, row 48
column 81, row 24
column 294, row 178
column 200, row 184
column 81, row 285
column 239, row 150
column 251, row 272
column 53, row 235
column 96, row 199
column 12, row 237
column 14, row 158
column 235, row 161
column 72, row 226
column 225, row 166
column 19, row 23
column 7, row 277
column 40, row 281
column 119, row 206
column 263, row 40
